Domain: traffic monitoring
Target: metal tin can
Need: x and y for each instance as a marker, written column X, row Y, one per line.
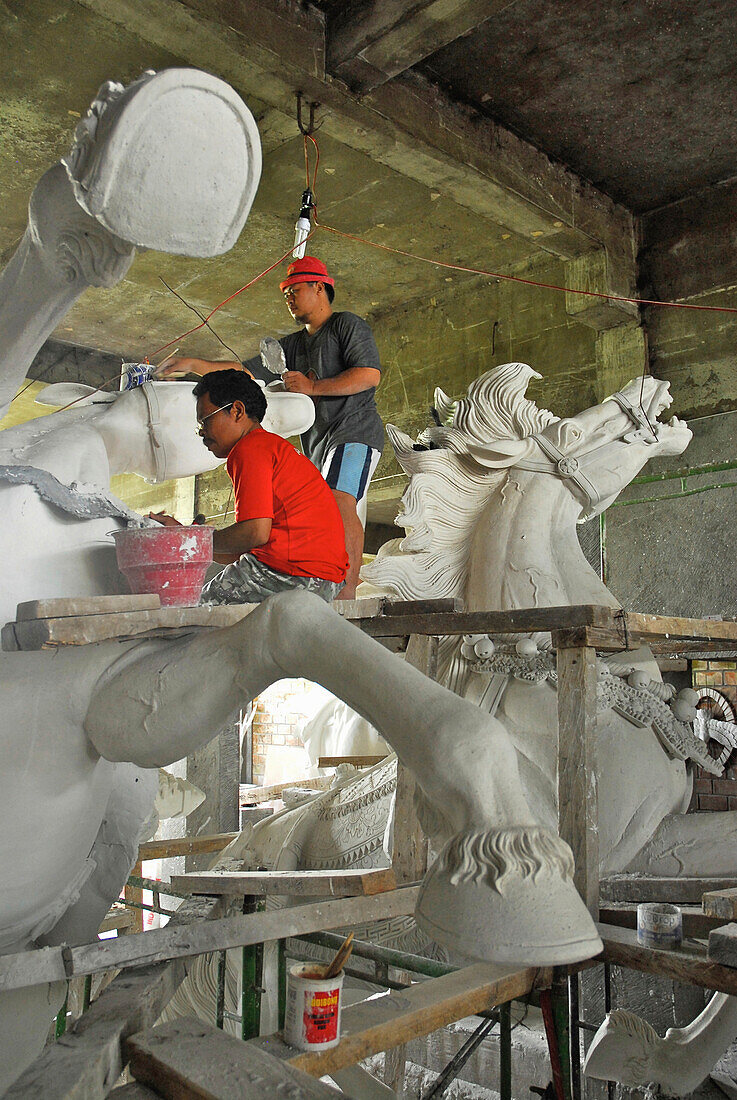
column 135, row 374
column 659, row 925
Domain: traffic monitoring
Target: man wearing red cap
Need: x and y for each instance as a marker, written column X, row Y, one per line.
column 333, row 359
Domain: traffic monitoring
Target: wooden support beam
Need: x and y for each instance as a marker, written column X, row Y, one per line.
column 525, row 620
column 252, row 796
column 337, row 884
column 676, row 891
column 356, row 761
column 688, row 963
column 370, row 44
column 721, row 904
column 184, row 846
column 189, row 1060
column 133, row 897
column 84, row 605
column 50, row 964
column 578, row 822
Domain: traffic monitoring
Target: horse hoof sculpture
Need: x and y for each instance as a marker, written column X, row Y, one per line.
column 507, row 895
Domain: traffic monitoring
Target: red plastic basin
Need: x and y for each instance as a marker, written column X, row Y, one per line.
column 169, row 562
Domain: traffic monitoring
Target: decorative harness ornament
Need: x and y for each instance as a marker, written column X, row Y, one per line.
column 573, row 468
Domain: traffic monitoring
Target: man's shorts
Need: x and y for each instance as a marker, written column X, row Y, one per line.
column 348, row 468
column 249, row 580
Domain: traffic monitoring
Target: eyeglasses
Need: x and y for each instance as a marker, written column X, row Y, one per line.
column 201, row 423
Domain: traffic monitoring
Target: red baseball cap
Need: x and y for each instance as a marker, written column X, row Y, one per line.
column 307, row 270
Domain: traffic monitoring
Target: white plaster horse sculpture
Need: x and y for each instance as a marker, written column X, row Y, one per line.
column 490, row 514
column 80, row 726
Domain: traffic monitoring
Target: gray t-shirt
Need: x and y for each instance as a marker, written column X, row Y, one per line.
column 344, row 341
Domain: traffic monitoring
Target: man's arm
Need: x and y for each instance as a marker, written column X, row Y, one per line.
column 352, row 380
column 229, row 543
column 184, row 364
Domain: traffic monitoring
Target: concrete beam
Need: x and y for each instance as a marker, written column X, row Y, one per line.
column 370, row 43
column 271, row 49
column 57, row 361
column 621, row 354
column 593, row 272
column 688, row 247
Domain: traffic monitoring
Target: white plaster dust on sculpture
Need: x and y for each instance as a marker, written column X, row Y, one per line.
column 102, row 790
column 141, row 173
column 627, row 1049
column 58, row 511
column 519, row 520
column 490, row 514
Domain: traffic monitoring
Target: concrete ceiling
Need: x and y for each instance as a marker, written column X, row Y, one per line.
column 625, row 94
column 636, row 96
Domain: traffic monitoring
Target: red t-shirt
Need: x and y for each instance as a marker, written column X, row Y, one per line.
column 271, row 480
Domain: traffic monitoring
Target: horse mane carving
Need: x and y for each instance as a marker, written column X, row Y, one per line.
column 448, row 489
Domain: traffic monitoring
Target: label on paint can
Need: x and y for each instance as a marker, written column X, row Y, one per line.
column 135, row 374
column 312, row 1020
column 659, row 925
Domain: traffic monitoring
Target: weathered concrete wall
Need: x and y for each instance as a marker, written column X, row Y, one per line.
column 689, row 255
column 468, row 327
column 673, row 553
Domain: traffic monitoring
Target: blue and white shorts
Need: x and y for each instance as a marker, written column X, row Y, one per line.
column 348, row 468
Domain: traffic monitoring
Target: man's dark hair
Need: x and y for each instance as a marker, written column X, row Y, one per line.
column 329, row 290
column 226, row 386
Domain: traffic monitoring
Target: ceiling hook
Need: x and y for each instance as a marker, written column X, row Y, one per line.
column 311, row 128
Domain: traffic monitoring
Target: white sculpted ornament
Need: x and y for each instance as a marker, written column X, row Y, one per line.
column 83, row 726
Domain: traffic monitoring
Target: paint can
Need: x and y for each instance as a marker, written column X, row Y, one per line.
column 659, row 925
column 135, row 374
column 312, row 1020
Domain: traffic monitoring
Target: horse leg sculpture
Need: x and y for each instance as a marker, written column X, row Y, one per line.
column 502, row 886
column 627, row 1049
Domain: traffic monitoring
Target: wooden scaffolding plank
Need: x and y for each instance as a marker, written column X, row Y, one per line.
column 349, row 883
column 356, row 761
column 688, row 963
column 383, row 1023
column 185, row 846
column 520, row 621
column 88, row 1061
column 88, row 629
column 84, row 605
column 187, row 1058
column 677, row 891
column 252, row 796
column 49, row 964
column 578, row 822
column 720, row 904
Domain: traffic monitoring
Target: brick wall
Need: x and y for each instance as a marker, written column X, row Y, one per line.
column 280, row 712
column 711, row 792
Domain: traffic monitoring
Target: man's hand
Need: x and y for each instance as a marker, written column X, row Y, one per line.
column 176, row 367
column 164, row 519
column 296, row 382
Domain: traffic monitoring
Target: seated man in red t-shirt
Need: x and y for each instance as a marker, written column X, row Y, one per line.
column 287, row 532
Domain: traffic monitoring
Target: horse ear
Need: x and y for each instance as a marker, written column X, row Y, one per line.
column 64, row 393
column 502, row 452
